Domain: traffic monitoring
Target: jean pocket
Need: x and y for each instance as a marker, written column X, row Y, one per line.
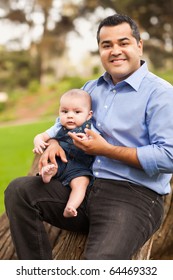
column 143, row 191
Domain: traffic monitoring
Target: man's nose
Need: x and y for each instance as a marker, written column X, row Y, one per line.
column 116, row 50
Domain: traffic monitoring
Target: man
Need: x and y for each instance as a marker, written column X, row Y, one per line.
column 134, row 159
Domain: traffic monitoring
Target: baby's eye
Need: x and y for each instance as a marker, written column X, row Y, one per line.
column 78, row 112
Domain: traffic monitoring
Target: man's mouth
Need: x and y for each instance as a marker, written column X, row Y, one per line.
column 117, row 60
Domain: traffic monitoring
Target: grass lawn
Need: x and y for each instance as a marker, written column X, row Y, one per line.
column 16, row 157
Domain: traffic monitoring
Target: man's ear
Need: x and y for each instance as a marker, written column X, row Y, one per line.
column 140, row 46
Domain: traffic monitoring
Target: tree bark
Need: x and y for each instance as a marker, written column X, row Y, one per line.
column 162, row 248
column 70, row 245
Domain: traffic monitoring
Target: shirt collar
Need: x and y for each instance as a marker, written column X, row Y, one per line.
column 133, row 80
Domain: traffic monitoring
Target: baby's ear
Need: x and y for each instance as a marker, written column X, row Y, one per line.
column 90, row 115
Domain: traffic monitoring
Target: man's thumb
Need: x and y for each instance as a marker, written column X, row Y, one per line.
column 89, row 133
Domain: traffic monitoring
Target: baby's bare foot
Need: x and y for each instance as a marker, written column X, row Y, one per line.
column 70, row 212
column 48, row 172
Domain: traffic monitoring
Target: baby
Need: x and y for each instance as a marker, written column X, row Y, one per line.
column 74, row 115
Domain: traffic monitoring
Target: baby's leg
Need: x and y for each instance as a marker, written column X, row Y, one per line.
column 78, row 188
column 48, row 172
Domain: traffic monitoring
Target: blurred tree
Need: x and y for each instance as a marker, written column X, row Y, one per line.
column 54, row 19
column 20, row 63
column 155, row 16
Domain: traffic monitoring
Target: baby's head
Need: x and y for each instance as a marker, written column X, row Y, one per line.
column 75, row 108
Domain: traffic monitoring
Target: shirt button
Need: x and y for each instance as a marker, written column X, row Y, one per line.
column 99, row 124
column 114, row 91
column 98, row 160
column 96, row 173
column 105, row 106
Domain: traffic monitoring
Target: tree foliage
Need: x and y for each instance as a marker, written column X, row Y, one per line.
column 19, row 63
column 58, row 17
column 154, row 16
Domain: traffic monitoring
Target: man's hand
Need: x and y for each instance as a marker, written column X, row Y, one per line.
column 97, row 145
column 53, row 150
column 93, row 144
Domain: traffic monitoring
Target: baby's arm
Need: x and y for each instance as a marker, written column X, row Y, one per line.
column 40, row 142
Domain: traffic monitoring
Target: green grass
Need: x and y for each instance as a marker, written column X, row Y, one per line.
column 16, row 157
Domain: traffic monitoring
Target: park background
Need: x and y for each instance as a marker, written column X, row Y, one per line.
column 48, row 47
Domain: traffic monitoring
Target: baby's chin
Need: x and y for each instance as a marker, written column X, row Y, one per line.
column 71, row 126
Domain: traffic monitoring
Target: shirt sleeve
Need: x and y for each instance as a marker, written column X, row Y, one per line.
column 157, row 157
column 52, row 131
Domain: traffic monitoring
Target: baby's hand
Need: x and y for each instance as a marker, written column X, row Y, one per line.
column 82, row 136
column 39, row 147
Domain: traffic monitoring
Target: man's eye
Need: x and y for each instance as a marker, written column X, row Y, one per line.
column 124, row 44
column 106, row 46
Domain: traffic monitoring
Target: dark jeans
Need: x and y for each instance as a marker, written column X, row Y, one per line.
column 119, row 216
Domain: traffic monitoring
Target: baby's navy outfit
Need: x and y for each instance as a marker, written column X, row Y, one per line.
column 79, row 163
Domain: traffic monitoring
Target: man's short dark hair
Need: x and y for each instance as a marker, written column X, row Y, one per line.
column 117, row 19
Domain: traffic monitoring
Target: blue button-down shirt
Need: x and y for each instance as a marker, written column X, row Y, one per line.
column 136, row 112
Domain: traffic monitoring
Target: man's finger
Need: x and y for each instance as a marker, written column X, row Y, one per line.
column 62, row 155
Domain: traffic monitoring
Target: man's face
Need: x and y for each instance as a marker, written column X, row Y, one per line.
column 119, row 51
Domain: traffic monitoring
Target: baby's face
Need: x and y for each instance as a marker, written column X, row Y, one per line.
column 74, row 112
